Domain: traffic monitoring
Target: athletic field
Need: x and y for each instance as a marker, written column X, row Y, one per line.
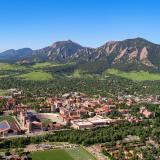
column 63, row 154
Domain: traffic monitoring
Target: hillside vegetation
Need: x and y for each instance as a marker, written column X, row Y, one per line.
column 135, row 75
column 36, row 76
column 46, row 71
column 7, row 66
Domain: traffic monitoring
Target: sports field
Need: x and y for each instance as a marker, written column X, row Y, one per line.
column 62, row 154
column 57, row 154
column 80, row 154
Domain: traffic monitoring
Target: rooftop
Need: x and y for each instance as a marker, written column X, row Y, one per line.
column 4, row 126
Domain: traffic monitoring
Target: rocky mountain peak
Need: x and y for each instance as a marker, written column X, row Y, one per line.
column 67, row 43
column 136, row 53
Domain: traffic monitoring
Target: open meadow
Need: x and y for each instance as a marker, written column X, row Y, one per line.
column 135, row 75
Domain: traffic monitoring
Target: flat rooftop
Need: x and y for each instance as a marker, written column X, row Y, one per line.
column 81, row 122
column 99, row 120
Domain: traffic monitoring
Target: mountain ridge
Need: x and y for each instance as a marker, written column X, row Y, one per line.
column 129, row 54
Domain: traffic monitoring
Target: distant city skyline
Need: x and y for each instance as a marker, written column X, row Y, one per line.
column 39, row 23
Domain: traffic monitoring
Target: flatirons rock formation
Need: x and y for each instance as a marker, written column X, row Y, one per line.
column 130, row 54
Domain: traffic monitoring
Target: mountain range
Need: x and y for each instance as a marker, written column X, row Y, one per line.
column 129, row 54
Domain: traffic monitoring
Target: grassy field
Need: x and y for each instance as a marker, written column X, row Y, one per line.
column 60, row 154
column 37, row 72
column 34, row 71
column 3, row 76
column 48, row 64
column 80, row 154
column 78, row 73
column 6, row 66
column 46, row 121
column 43, row 65
column 136, row 76
column 57, row 154
column 3, row 92
column 36, row 76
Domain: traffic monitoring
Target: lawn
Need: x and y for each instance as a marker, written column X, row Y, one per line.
column 36, row 76
column 80, row 154
column 46, row 121
column 136, row 76
column 57, row 154
column 60, row 154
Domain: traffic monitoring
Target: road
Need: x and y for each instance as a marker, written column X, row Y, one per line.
column 38, row 133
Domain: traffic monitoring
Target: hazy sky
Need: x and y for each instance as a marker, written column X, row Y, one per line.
column 38, row 23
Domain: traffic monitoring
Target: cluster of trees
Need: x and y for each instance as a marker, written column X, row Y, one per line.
column 107, row 154
column 62, row 83
column 109, row 135
column 86, row 137
column 112, row 86
column 108, row 87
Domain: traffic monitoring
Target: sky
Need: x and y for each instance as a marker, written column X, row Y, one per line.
column 91, row 23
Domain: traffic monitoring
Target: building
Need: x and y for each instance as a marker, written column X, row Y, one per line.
column 99, row 121
column 103, row 110
column 7, row 127
column 81, row 124
column 37, row 121
column 145, row 112
column 89, row 123
column 29, row 121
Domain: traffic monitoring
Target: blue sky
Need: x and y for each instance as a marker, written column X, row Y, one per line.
column 38, row 23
